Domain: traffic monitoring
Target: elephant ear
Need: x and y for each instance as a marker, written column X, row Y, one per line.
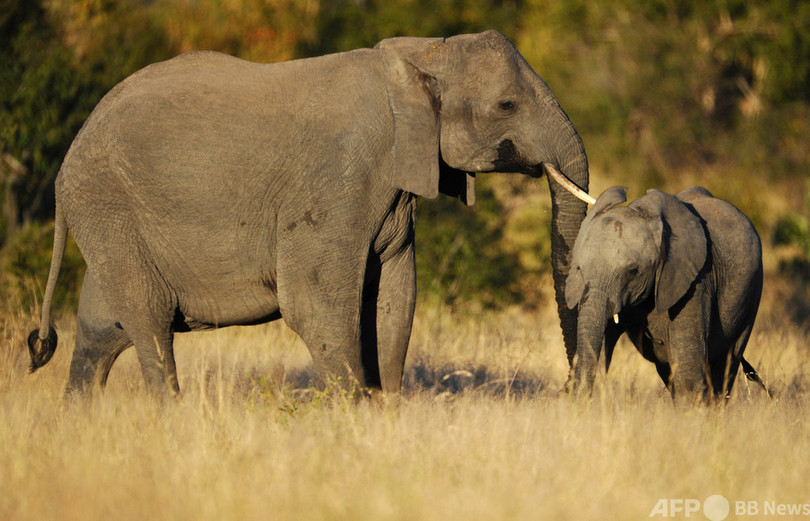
column 613, row 196
column 684, row 247
column 574, row 287
column 694, row 193
column 414, row 101
column 610, row 198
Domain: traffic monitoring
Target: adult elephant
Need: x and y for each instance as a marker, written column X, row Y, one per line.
column 208, row 191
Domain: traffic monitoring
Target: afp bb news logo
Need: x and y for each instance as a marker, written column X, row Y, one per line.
column 718, row 508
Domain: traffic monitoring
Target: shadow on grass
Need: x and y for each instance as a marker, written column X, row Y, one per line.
column 421, row 378
column 446, row 382
column 301, row 384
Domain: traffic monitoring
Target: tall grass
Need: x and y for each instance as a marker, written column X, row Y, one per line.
column 481, row 432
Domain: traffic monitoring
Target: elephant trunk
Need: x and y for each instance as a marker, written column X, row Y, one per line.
column 567, row 214
column 594, row 314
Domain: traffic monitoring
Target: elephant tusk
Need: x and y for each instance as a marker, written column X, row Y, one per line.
column 566, row 183
column 616, row 318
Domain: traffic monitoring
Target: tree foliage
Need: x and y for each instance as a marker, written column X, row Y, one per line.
column 343, row 25
column 661, row 85
column 664, row 94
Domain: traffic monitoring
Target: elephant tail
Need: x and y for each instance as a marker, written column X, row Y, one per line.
column 42, row 341
column 752, row 375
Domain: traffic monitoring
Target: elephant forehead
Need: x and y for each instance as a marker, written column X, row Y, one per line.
column 612, row 228
column 617, row 226
column 626, row 237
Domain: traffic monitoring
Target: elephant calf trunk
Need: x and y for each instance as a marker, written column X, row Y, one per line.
column 41, row 349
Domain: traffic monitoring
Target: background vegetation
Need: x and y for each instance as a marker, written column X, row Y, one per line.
column 665, row 94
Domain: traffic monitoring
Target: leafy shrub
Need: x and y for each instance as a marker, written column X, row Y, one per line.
column 793, row 229
column 25, row 262
column 493, row 254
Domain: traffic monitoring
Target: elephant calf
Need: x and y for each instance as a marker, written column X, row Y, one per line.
column 681, row 275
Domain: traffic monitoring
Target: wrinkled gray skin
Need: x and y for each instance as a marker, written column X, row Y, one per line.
column 207, row 191
column 684, row 275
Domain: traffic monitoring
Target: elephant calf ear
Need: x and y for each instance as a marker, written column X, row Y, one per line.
column 610, row 198
column 613, row 196
column 415, row 109
column 574, row 288
column 684, row 248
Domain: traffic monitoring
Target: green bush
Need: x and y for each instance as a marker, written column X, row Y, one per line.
column 793, row 229
column 458, row 252
column 490, row 255
column 25, row 261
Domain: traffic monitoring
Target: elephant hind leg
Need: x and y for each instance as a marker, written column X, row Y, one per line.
column 149, row 325
column 99, row 341
column 96, row 351
column 140, row 310
column 724, row 371
column 154, row 345
column 148, row 322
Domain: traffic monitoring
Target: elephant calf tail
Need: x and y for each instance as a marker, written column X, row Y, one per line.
column 42, row 341
column 752, row 375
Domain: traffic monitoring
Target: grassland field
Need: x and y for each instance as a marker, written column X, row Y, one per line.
column 480, row 434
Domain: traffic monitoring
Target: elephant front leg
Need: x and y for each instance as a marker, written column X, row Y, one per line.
column 320, row 298
column 334, row 344
column 394, row 317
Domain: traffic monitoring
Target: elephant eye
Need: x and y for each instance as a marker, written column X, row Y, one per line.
column 507, row 106
column 633, row 271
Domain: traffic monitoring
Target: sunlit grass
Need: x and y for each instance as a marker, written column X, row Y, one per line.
column 481, row 432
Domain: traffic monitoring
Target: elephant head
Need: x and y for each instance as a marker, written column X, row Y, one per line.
column 649, row 251
column 471, row 104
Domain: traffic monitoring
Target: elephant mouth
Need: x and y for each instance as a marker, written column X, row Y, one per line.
column 510, row 160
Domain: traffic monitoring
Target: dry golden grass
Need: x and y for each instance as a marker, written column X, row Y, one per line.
column 480, row 434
